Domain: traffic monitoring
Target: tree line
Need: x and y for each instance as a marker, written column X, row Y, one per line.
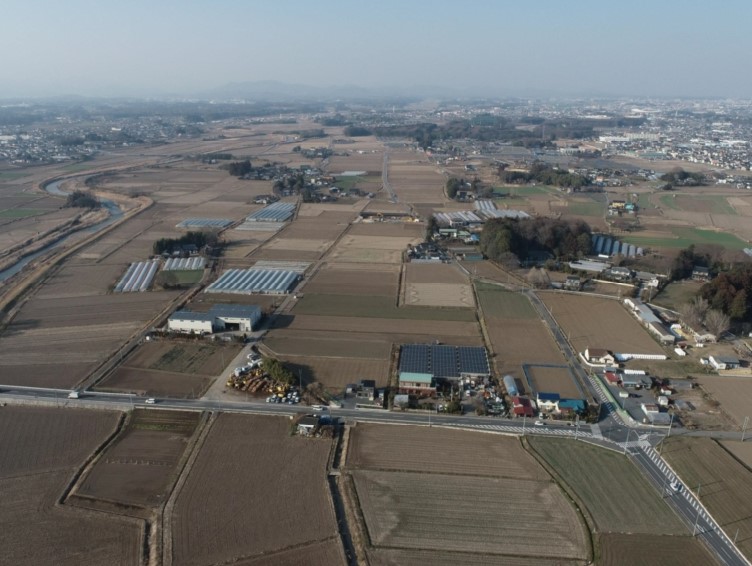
column 545, row 175
column 198, row 239
column 561, row 238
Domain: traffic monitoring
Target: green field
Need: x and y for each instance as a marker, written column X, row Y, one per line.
column 585, row 208
column 677, row 293
column 618, row 497
column 376, row 307
column 181, row 277
column 79, row 166
column 522, row 191
column 716, row 204
column 644, row 201
column 683, row 237
column 12, row 175
column 500, row 303
column 20, row 212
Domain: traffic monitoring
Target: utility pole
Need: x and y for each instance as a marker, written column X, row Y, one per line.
column 670, row 425
column 744, row 427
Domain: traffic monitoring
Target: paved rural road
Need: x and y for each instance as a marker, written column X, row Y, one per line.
column 639, row 448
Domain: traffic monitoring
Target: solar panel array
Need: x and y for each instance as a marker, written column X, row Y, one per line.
column 205, row 223
column 448, row 362
column 247, row 281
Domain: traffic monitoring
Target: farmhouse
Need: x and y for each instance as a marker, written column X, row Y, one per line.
column 573, row 283
column 724, row 362
column 548, row 402
column 654, row 324
column 699, row 334
column 366, row 389
column 418, row 384
column 219, row 318
column 701, row 274
column 308, row 425
column 600, row 356
column 522, row 407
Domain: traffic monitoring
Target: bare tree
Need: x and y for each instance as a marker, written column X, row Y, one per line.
column 539, row 278
column 701, row 306
column 717, row 322
column 690, row 315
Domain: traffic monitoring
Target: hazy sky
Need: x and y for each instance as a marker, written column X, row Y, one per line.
column 156, row 47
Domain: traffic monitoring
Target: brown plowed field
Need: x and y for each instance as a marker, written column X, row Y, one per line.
column 37, row 440
column 335, row 280
column 154, row 383
column 733, row 393
column 440, row 450
column 315, row 229
column 439, row 295
column 392, row 229
column 253, row 489
column 382, row 326
column 325, row 553
column 554, row 380
column 430, row 273
column 42, row 449
column 344, row 345
column 56, row 342
column 520, row 341
column 336, row 373
column 742, row 451
column 202, row 358
column 595, row 322
column 375, row 307
column 639, row 550
column 140, row 466
column 726, row 484
column 410, row 557
column 496, row 516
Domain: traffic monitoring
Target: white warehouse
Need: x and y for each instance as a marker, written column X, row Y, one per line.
column 220, row 317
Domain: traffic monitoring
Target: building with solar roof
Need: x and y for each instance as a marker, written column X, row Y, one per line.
column 444, row 362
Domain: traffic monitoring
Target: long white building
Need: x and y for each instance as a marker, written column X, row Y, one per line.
column 219, row 318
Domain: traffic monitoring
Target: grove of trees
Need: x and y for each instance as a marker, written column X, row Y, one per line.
column 240, row 168
column 545, row 175
column 563, row 239
column 198, row 239
column 82, row 199
column 730, row 293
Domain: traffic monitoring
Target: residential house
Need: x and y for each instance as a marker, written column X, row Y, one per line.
column 418, row 384
column 724, row 362
column 573, row 283
column 700, row 273
column 600, row 356
column 522, row 407
column 308, row 425
column 366, row 389
column 548, row 402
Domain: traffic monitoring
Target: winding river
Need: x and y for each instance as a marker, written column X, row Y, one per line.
column 54, row 189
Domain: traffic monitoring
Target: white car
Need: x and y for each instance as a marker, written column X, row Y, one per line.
column 150, row 401
column 675, row 486
column 539, row 423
